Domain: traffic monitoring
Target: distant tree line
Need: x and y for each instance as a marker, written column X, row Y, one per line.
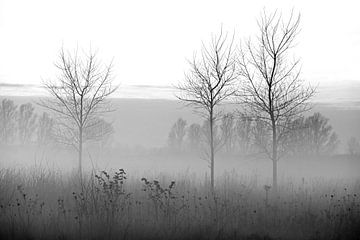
column 312, row 135
column 22, row 125
column 241, row 134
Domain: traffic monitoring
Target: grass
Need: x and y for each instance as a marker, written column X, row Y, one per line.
column 43, row 204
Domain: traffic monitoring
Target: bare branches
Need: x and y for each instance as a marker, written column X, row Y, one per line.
column 210, row 82
column 272, row 85
column 272, row 88
column 79, row 94
column 211, row 78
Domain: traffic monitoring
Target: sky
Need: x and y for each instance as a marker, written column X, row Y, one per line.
column 151, row 41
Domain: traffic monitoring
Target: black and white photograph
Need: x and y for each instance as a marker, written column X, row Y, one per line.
column 172, row 120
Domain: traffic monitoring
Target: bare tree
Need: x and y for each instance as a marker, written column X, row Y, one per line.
column 209, row 83
column 273, row 91
column 78, row 98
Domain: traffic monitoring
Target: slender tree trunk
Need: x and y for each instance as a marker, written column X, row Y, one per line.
column 81, row 128
column 275, row 175
column 80, row 154
column 212, row 157
column 274, row 156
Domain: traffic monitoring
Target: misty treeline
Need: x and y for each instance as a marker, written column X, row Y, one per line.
column 271, row 103
column 23, row 124
column 239, row 134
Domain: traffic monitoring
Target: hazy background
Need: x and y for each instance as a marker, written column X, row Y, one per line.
column 150, row 42
column 142, row 182
column 140, row 145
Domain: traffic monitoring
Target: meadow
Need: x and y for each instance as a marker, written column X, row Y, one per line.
column 136, row 188
column 39, row 203
column 239, row 142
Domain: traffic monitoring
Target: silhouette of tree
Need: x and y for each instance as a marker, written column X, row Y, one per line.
column 209, row 83
column 272, row 89
column 78, row 98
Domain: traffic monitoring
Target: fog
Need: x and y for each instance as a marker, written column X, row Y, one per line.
column 139, row 144
column 244, row 144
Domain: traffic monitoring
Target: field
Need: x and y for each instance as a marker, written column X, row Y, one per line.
column 136, row 188
column 163, row 120
column 40, row 203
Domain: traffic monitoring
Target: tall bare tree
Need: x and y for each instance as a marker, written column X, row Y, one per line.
column 209, row 83
column 78, row 98
column 273, row 91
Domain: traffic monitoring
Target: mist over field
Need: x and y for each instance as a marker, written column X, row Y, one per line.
column 140, row 144
column 37, row 178
column 210, row 120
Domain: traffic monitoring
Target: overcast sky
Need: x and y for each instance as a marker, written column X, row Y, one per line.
column 151, row 40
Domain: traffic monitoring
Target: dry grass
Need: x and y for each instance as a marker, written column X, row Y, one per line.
column 41, row 204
